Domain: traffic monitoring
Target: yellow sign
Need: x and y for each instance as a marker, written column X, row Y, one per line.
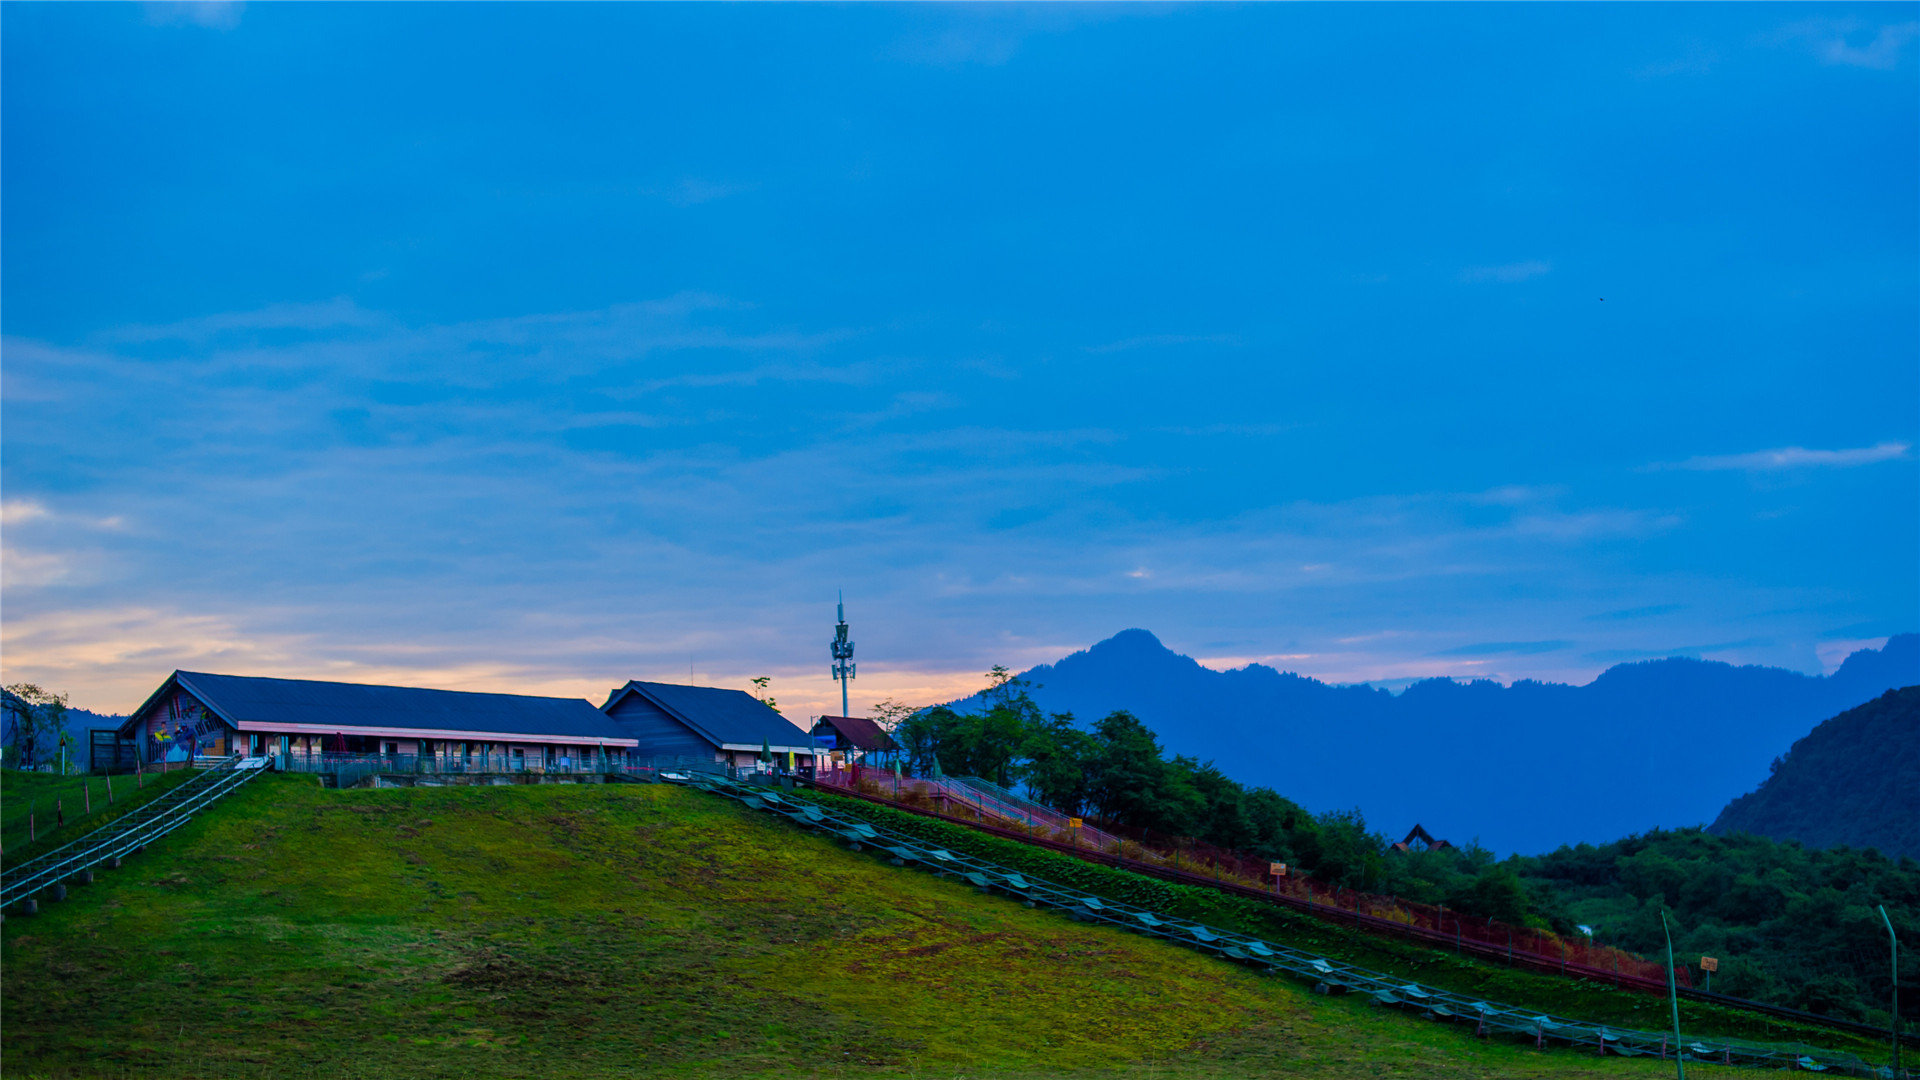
column 1708, row 963
column 1278, row 869
column 1073, row 823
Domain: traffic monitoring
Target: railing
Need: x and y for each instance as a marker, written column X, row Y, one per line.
column 1196, row 863
column 1272, row 958
column 130, row 833
column 362, row 765
column 986, row 799
column 351, row 768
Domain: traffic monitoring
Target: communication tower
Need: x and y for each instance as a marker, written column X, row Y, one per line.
column 842, row 655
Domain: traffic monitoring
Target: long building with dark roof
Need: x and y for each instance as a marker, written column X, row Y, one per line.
column 197, row 714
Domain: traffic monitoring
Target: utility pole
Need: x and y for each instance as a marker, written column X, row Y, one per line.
column 842, row 654
column 1673, row 998
column 1894, row 941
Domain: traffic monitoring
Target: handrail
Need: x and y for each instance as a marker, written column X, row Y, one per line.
column 1386, row 927
column 137, row 829
column 1273, row 958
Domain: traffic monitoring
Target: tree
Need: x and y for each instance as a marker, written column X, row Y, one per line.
column 760, row 684
column 1127, row 772
column 33, row 714
column 1059, row 763
column 890, row 714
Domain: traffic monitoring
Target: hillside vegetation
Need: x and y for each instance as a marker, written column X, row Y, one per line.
column 562, row 931
column 1521, row 768
column 1793, row 926
column 1854, row 780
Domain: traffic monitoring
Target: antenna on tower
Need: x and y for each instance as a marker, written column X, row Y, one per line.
column 842, row 653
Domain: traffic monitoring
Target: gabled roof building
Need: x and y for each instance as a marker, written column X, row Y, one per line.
column 854, row 737
column 196, row 714
column 669, row 720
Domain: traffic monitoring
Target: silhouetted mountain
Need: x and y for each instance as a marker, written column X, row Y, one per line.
column 1853, row 780
column 1526, row 767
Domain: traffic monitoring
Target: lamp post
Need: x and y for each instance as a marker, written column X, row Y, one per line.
column 1673, row 999
column 1894, row 942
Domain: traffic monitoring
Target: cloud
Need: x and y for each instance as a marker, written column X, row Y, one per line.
column 1698, row 60
column 692, row 191
column 333, row 314
column 1505, row 648
column 1850, row 42
column 1507, row 274
column 211, row 14
column 571, row 498
column 1645, row 612
column 1152, row 341
column 1794, row 457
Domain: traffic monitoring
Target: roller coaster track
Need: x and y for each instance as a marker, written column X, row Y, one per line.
column 1270, row 958
column 130, row 833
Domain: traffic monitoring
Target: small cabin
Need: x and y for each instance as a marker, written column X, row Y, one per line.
column 705, row 723
column 854, row 739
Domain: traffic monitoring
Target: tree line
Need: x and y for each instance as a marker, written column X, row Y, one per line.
column 1789, row 924
column 1115, row 771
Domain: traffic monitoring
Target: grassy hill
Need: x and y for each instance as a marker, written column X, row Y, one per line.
column 38, row 794
column 587, row 931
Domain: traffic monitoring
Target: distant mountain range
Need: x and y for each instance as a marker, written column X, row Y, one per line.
column 1521, row 768
column 1853, row 780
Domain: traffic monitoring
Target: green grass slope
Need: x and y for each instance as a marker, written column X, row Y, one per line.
column 589, row 931
column 47, row 797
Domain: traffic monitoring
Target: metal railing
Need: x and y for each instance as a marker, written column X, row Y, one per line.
column 1271, row 958
column 137, row 829
column 984, row 797
column 479, row 764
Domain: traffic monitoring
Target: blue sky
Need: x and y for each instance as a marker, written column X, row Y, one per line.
column 542, row 347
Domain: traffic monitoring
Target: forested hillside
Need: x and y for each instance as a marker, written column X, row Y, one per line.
column 1522, row 768
column 1853, row 780
column 1791, row 925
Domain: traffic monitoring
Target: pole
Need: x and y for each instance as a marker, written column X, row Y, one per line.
column 1673, row 999
column 1893, row 941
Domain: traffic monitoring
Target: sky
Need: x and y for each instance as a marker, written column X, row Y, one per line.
column 539, row 347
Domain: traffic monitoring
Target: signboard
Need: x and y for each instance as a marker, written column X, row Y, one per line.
column 1278, row 869
column 1708, row 963
column 1073, row 823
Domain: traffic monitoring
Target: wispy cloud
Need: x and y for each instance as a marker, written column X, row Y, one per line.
column 1506, row 273
column 1153, row 341
column 1850, row 42
column 1504, row 648
column 212, row 14
column 694, row 190
column 1698, row 60
column 1646, row 611
column 1794, row 457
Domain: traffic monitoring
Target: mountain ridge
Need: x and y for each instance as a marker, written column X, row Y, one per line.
column 1526, row 767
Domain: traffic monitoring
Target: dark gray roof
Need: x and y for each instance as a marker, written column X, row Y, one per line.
column 722, row 717
column 350, row 706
